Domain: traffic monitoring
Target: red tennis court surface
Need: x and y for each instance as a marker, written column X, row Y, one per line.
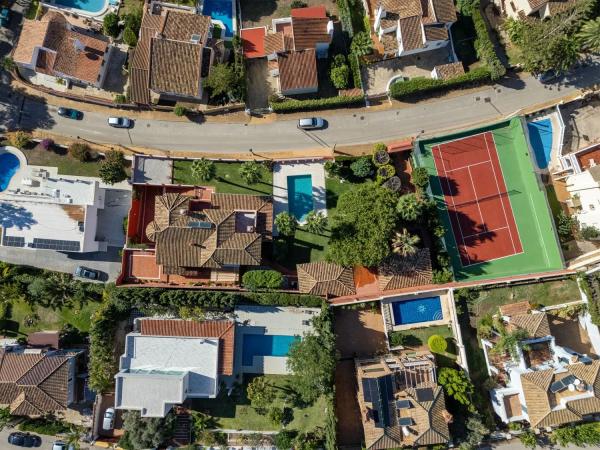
column 476, row 198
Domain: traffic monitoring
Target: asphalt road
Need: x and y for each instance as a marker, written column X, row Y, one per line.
column 500, row 100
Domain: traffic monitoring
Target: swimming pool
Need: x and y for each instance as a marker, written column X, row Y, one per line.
column 300, row 199
column 220, row 10
column 265, row 345
column 417, row 310
column 9, row 164
column 540, row 138
column 91, row 7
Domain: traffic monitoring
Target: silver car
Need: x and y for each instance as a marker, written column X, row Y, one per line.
column 119, row 122
column 311, row 123
column 108, row 422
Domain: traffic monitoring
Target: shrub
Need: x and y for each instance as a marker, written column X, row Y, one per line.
column 403, row 338
column 437, row 343
column 283, row 299
column 50, row 427
column 251, row 172
column 111, row 25
column 129, row 37
column 528, row 439
column 384, row 172
column 80, row 151
column 394, row 184
column 20, row 139
column 120, row 98
column 362, row 44
column 362, row 167
column 333, row 168
column 484, row 46
column 112, row 169
column 288, row 106
column 298, row 4
column 316, row 222
column 355, row 68
column 275, row 415
column 8, row 63
column 286, row 224
column 380, row 154
column 590, row 232
column 203, row 169
column 420, row 177
column 580, row 435
column 401, row 89
column 339, row 72
column 262, row 279
column 46, row 144
column 180, row 110
column 456, row 385
column 565, row 226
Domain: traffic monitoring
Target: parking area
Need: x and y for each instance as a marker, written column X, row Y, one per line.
column 116, row 80
column 110, row 219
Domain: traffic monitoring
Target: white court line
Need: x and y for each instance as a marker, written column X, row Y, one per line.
column 498, row 187
column 476, row 199
column 453, row 205
column 463, row 138
column 486, row 232
column 467, row 166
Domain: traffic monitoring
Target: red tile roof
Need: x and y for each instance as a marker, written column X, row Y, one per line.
column 310, row 31
column 298, row 70
column 44, row 338
column 312, row 12
column 253, row 42
column 224, row 330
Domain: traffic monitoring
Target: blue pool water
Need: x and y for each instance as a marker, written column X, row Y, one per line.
column 89, row 6
column 220, row 10
column 540, row 137
column 300, row 199
column 265, row 345
column 9, row 164
column 417, row 310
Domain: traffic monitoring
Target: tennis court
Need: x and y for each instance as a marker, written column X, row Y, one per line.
column 480, row 213
column 492, row 204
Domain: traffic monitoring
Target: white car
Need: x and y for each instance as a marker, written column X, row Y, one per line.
column 109, row 419
column 119, row 122
column 311, row 123
column 60, row 445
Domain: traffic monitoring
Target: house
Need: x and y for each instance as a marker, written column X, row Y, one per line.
column 396, row 272
column 401, row 404
column 41, row 209
column 407, row 27
column 540, row 380
column 167, row 361
column 35, row 382
column 196, row 235
column 292, row 48
column 173, row 56
column 325, row 279
column 518, row 9
column 584, row 188
column 54, row 49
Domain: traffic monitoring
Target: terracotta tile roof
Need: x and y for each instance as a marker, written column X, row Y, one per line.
column 308, row 32
column 75, row 53
column 555, row 7
column 274, row 43
column 436, row 34
column 411, row 33
column 175, row 67
column 298, row 70
column 451, row 70
column 444, row 11
column 224, row 330
column 325, row 279
column 253, row 42
column 181, row 26
column 404, row 8
column 536, row 4
column 44, row 338
column 398, row 273
column 513, row 309
column 262, row 204
column 34, row 384
column 536, row 325
column 310, row 12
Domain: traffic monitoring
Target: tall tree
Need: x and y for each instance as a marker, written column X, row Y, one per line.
column 251, row 172
column 146, row 432
column 260, row 393
column 316, row 222
column 286, row 224
column 404, row 243
column 590, row 35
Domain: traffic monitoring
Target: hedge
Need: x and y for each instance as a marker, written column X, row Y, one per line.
column 401, row 89
column 283, row 299
column 262, row 279
column 355, row 67
column 288, row 106
column 593, row 307
column 484, row 45
column 49, row 427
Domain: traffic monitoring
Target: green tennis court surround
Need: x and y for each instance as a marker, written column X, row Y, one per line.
column 540, row 247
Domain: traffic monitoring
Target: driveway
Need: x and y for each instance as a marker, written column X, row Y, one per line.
column 258, row 83
column 359, row 333
column 110, row 219
column 115, row 80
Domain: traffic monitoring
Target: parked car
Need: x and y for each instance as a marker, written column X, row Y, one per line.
column 547, row 77
column 4, row 17
column 24, row 439
column 119, row 122
column 109, row 419
column 311, row 123
column 84, row 272
column 70, row 113
column 61, row 445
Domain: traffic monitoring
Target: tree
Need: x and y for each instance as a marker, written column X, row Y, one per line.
column 528, row 439
column 80, row 151
column 410, row 207
column 220, row 80
column 589, row 35
column 333, row 169
column 565, row 225
column 20, row 139
column 404, row 243
column 260, row 393
column 590, row 232
column 362, row 167
column 420, row 178
column 146, row 432
column 111, row 25
column 251, row 172
column 180, row 110
column 203, row 169
column 437, row 344
column 284, row 440
column 275, row 415
column 580, row 435
column 298, row 4
column 129, row 37
column 112, row 169
column 456, row 385
column 73, row 437
column 509, row 342
column 339, row 72
column 133, row 20
column 254, row 280
column 286, row 224
column 380, row 154
column 5, row 417
column 362, row 226
column 316, row 222
column 8, row 64
column 361, row 44
column 477, row 431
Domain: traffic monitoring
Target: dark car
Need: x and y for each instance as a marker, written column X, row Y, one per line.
column 84, row 272
column 547, row 77
column 70, row 113
column 24, row 439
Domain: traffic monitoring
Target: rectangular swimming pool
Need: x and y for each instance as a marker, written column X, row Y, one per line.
column 417, row 310
column 87, row 6
column 540, row 138
column 265, row 345
column 220, row 10
column 300, row 199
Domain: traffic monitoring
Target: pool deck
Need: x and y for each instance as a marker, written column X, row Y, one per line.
column 281, row 172
column 389, row 313
column 556, row 151
column 269, row 320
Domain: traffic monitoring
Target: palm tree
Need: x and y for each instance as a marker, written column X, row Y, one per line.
column 315, row 222
column 250, row 172
column 590, row 35
column 203, row 169
column 409, row 207
column 404, row 243
column 73, row 437
column 286, row 224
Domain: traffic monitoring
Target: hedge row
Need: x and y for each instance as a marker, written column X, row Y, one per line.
column 593, row 307
column 401, row 89
column 355, row 67
column 288, row 106
column 484, row 46
column 345, row 16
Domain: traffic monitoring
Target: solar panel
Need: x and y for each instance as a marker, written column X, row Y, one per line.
column 56, row 244
column 13, row 241
column 405, row 421
column 366, row 387
column 403, row 404
column 425, row 394
column 203, row 225
column 561, row 385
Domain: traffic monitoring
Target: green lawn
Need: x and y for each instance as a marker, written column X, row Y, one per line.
column 420, row 336
column 49, row 319
column 227, row 179
column 547, row 294
column 32, row 10
column 60, row 158
column 540, row 250
column 236, row 413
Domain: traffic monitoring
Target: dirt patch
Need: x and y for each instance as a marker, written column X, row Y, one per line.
column 359, row 333
column 349, row 429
